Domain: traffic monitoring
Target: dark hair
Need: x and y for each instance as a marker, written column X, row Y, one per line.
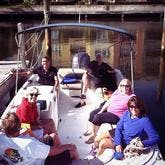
column 46, row 57
column 139, row 104
column 11, row 124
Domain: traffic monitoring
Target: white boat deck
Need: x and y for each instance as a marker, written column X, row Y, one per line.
column 73, row 124
column 73, row 121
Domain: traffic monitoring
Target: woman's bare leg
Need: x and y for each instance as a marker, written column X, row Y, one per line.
column 101, row 136
column 95, row 129
column 56, row 139
column 48, row 125
column 85, row 81
column 104, row 143
column 89, row 129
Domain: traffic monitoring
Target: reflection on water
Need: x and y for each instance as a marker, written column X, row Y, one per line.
column 66, row 41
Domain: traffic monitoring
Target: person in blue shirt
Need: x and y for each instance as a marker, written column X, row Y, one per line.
column 135, row 123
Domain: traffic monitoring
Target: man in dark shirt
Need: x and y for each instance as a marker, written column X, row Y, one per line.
column 47, row 73
column 98, row 74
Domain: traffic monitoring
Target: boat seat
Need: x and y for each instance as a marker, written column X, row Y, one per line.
column 70, row 78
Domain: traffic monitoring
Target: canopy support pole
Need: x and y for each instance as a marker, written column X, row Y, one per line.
column 161, row 66
column 47, row 30
column 132, row 68
column 21, row 54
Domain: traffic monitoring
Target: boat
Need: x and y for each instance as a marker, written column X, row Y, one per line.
column 7, row 82
column 71, row 123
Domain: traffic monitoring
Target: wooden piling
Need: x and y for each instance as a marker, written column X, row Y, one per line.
column 48, row 51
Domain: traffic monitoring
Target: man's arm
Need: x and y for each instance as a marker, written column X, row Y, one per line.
column 105, row 106
column 111, row 71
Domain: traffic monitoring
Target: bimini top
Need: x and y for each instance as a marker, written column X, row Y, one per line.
column 92, row 25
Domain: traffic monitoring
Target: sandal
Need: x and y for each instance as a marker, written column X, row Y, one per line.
column 87, row 133
column 79, row 105
column 90, row 140
column 93, row 151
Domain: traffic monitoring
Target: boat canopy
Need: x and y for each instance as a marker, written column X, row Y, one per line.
column 98, row 26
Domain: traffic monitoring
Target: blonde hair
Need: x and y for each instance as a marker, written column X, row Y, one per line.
column 128, row 82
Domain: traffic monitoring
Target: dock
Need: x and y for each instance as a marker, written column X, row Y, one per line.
column 89, row 11
column 7, row 81
column 5, row 69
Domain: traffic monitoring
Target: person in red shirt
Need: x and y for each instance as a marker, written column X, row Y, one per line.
column 27, row 110
column 27, row 113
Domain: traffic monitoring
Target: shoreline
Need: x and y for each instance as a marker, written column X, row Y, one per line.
column 113, row 10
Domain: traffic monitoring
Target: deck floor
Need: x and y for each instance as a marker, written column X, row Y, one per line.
column 73, row 121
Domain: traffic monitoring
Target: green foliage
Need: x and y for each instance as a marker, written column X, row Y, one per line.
column 27, row 3
column 31, row 2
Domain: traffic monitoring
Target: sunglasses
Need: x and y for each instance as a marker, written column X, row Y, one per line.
column 127, row 86
column 133, row 107
column 32, row 94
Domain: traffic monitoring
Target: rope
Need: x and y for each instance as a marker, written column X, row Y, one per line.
column 35, row 43
column 34, row 47
column 39, row 56
column 34, row 33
